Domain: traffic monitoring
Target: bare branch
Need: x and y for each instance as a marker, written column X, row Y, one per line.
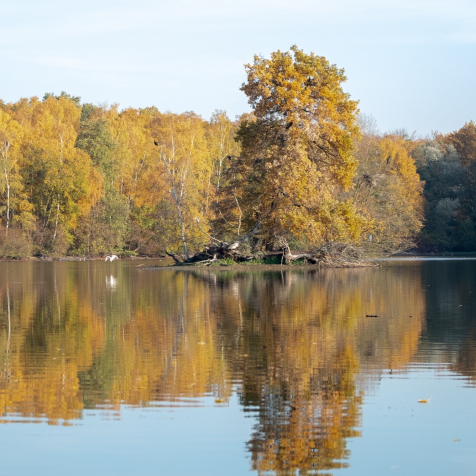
column 241, row 213
column 205, row 233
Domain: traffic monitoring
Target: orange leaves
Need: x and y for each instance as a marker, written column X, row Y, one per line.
column 59, row 176
column 297, row 156
column 304, row 91
column 464, row 141
column 388, row 191
column 12, row 199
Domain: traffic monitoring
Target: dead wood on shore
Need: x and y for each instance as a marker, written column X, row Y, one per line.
column 333, row 255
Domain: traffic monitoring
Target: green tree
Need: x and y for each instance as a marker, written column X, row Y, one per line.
column 106, row 227
column 449, row 194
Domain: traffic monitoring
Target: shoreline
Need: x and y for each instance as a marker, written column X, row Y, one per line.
column 75, row 258
column 169, row 263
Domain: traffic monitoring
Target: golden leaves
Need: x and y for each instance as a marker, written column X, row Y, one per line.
column 389, row 191
column 297, row 156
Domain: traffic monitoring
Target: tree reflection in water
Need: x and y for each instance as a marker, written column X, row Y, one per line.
column 295, row 345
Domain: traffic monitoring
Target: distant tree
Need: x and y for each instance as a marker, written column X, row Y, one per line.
column 182, row 165
column 108, row 225
column 464, row 142
column 10, row 141
column 388, row 191
column 447, row 165
column 446, row 184
column 403, row 133
column 75, row 99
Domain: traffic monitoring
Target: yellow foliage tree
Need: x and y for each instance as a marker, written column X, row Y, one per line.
column 64, row 182
column 297, row 151
column 388, row 191
column 14, row 204
column 182, row 163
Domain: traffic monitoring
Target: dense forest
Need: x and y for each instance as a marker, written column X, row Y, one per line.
column 304, row 171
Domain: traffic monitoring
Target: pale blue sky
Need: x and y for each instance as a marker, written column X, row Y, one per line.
column 411, row 63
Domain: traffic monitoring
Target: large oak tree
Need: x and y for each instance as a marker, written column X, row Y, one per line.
column 297, row 153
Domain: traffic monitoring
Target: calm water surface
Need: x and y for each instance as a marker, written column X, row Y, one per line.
column 117, row 369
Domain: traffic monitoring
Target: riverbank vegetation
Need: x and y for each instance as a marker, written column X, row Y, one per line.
column 303, row 176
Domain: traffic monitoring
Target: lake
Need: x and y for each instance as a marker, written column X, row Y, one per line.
column 123, row 369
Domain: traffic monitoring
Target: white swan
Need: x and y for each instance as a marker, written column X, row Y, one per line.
column 111, row 258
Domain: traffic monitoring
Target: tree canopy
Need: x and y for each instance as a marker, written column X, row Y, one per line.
column 302, row 170
column 296, row 152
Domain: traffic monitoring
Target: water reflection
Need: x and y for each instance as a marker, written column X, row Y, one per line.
column 300, row 346
column 450, row 337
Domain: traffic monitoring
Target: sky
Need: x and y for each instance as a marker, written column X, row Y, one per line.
column 410, row 63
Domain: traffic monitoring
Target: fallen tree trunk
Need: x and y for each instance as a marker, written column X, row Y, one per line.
column 331, row 256
column 211, row 254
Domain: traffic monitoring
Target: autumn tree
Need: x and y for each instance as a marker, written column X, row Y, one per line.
column 297, row 153
column 221, row 136
column 60, row 176
column 107, row 227
column 387, row 189
column 293, row 173
column 15, row 209
column 464, row 141
column 182, row 163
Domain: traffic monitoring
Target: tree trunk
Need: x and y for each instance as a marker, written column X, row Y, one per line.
column 57, row 218
column 8, row 202
column 4, row 152
column 177, row 204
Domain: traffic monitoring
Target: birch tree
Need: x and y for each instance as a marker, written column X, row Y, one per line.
column 183, row 159
column 10, row 139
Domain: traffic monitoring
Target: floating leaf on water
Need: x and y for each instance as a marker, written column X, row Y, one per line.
column 424, row 400
column 219, row 400
column 456, row 439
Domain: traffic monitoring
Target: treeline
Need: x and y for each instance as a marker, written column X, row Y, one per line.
column 302, row 171
column 447, row 166
column 89, row 180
